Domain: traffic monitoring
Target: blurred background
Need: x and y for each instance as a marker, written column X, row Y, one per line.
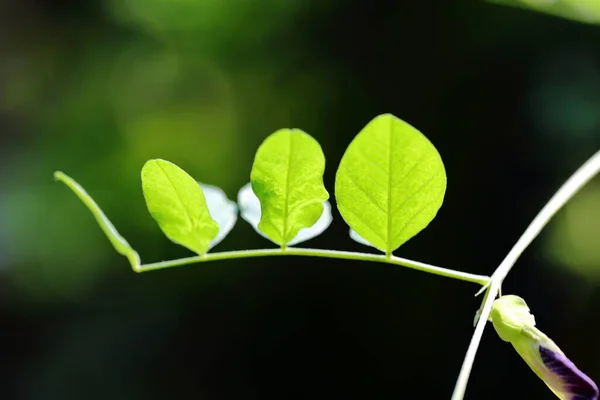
column 510, row 98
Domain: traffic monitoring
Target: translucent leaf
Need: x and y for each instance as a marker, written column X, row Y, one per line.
column 390, row 183
column 287, row 178
column 586, row 11
column 177, row 204
column 119, row 243
column 221, row 209
column 250, row 212
column 356, row 237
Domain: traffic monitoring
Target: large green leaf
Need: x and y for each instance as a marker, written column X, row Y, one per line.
column 287, row 178
column 390, row 183
column 177, row 203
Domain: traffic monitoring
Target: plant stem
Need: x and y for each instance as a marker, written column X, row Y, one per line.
column 123, row 248
column 582, row 176
column 291, row 251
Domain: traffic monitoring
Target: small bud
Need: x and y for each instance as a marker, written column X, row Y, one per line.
column 515, row 324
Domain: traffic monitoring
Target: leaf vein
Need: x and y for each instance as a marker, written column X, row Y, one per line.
column 389, row 188
column 360, row 218
column 413, row 218
column 287, row 189
column 411, row 169
column 371, row 162
column 417, row 191
column 367, row 194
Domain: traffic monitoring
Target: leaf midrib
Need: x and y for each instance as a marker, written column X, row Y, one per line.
column 287, row 190
column 388, row 246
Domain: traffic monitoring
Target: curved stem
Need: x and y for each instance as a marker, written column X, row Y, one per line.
column 123, row 247
column 291, row 251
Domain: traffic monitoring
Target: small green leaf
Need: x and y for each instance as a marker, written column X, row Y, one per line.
column 287, row 178
column 119, row 243
column 221, row 209
column 390, row 183
column 176, row 202
column 250, row 212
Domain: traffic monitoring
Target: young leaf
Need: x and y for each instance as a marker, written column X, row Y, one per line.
column 176, row 202
column 390, row 183
column 250, row 212
column 287, row 178
column 221, row 209
column 119, row 243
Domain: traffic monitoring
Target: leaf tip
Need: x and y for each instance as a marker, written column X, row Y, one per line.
column 151, row 162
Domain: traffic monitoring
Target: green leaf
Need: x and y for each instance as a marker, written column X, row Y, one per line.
column 287, row 178
column 176, row 202
column 577, row 10
column 250, row 212
column 119, row 243
column 390, row 183
column 221, row 209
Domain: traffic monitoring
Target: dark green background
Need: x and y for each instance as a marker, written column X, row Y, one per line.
column 509, row 97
